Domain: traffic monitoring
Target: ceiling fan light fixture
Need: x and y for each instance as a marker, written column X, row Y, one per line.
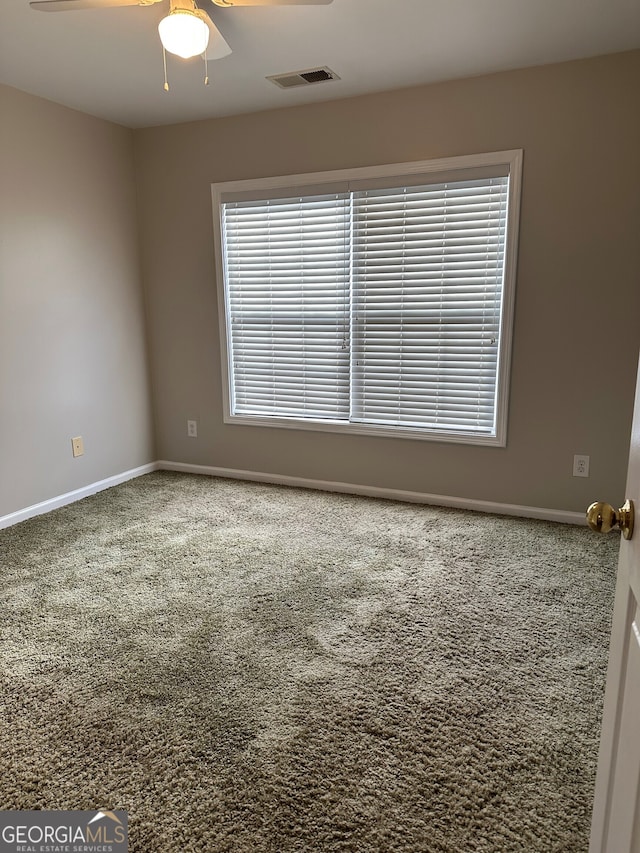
column 184, row 33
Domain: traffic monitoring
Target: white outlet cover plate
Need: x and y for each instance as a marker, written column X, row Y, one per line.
column 580, row 466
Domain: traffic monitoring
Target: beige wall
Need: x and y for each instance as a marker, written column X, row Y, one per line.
column 72, row 344
column 578, row 293
column 72, row 347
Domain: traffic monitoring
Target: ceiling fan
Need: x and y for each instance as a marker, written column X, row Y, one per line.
column 185, row 30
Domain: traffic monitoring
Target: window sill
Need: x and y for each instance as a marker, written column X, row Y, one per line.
column 443, row 437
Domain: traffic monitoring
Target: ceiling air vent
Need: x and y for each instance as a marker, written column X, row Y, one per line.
column 303, row 78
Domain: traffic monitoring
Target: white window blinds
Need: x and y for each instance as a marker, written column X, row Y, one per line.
column 287, row 269
column 378, row 306
column 428, row 268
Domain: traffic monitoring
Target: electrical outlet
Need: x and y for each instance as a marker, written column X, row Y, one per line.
column 192, row 429
column 77, row 446
column 580, row 466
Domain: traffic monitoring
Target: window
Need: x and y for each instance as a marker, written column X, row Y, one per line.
column 374, row 300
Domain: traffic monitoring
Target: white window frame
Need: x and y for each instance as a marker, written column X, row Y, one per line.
column 511, row 159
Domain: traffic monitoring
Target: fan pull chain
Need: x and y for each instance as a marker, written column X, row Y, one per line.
column 164, row 62
column 206, row 68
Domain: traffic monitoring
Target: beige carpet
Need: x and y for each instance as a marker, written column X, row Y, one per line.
column 256, row 669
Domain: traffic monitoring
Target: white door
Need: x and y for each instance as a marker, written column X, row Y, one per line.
column 616, row 811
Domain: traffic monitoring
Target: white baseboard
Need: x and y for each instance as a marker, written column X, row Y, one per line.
column 76, row 495
column 559, row 515
column 562, row 516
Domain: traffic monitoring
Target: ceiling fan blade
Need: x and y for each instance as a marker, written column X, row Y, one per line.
column 229, row 3
column 217, row 47
column 69, row 5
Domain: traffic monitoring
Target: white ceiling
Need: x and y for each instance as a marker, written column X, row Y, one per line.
column 108, row 62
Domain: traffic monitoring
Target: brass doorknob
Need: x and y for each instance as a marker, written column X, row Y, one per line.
column 602, row 518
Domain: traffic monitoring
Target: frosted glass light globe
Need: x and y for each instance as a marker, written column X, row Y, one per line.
column 184, row 33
